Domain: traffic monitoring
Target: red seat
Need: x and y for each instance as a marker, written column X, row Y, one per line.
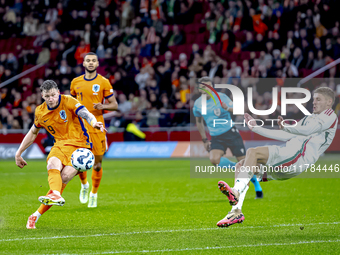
column 181, row 49
column 198, row 17
column 190, row 38
column 190, row 29
column 240, row 36
column 161, row 58
column 200, row 28
column 245, row 55
column 201, row 38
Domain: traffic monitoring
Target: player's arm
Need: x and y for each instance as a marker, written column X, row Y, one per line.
column 89, row 117
column 201, row 129
column 72, row 91
column 314, row 126
column 225, row 107
column 269, row 133
column 26, row 142
column 111, row 106
column 227, row 104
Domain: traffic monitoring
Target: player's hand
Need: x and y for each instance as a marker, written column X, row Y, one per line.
column 98, row 106
column 207, row 145
column 279, row 122
column 249, row 120
column 224, row 106
column 100, row 126
column 20, row 161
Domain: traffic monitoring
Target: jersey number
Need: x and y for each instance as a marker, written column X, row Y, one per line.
column 50, row 128
column 81, row 95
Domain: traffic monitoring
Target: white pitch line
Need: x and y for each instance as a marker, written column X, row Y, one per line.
column 211, row 248
column 162, row 231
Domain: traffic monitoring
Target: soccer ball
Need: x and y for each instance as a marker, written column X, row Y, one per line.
column 82, row 159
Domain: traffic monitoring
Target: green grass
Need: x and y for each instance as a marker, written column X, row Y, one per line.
column 154, row 206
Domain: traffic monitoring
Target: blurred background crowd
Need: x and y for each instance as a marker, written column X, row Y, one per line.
column 152, row 51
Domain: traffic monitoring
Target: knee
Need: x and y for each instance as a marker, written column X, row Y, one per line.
column 97, row 166
column 51, row 165
column 66, row 177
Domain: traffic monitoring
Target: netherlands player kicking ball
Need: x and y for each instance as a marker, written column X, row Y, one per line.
column 91, row 90
column 62, row 116
column 222, row 136
column 305, row 142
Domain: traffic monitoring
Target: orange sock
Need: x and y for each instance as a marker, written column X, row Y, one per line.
column 54, row 179
column 43, row 208
column 83, row 177
column 96, row 178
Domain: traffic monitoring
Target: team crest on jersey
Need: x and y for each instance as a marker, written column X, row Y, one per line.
column 96, row 88
column 217, row 112
column 63, row 115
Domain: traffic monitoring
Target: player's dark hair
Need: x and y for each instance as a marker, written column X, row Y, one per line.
column 326, row 91
column 91, row 54
column 206, row 79
column 48, row 85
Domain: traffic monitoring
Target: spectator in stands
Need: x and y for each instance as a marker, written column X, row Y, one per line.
column 294, row 33
column 124, row 105
column 176, row 38
column 319, row 61
column 44, row 56
column 81, row 51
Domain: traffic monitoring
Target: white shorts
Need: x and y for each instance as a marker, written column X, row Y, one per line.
column 286, row 161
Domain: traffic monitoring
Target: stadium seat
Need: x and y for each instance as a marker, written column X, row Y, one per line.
column 201, row 38
column 244, row 55
column 190, row 29
column 190, row 38
column 198, row 17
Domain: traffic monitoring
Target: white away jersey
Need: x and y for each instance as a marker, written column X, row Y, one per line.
column 319, row 129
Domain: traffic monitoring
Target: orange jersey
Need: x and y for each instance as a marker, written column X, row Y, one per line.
column 63, row 123
column 91, row 91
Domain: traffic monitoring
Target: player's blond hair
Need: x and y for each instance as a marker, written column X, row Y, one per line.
column 48, row 85
column 326, row 91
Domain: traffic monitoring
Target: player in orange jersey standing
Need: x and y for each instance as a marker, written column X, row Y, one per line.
column 91, row 89
column 62, row 117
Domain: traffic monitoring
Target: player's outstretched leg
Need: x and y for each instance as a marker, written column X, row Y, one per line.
column 32, row 219
column 52, row 198
column 55, row 183
column 232, row 194
column 258, row 188
column 85, row 188
column 235, row 199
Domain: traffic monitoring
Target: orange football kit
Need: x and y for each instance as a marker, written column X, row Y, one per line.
column 88, row 92
column 68, row 130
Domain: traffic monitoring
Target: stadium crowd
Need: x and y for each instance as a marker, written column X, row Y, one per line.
column 152, row 51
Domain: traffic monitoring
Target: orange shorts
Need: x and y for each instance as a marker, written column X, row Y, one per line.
column 63, row 153
column 99, row 143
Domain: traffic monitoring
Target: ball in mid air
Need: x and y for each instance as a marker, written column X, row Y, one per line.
column 82, row 159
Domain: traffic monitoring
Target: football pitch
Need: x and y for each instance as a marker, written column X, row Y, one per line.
column 153, row 206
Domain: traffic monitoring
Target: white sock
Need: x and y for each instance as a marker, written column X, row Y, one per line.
column 85, row 186
column 93, row 195
column 241, row 199
column 56, row 192
column 242, row 180
column 36, row 213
